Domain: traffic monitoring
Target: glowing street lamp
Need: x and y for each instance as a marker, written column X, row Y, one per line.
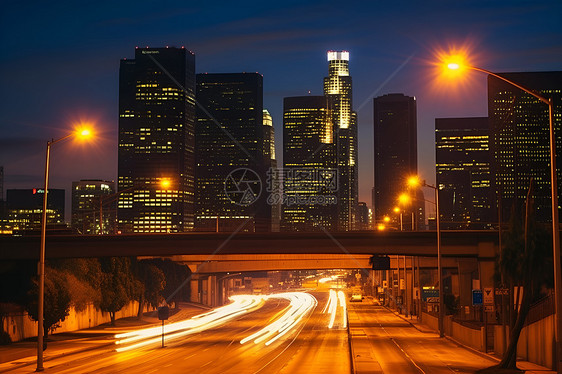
column 414, row 181
column 80, row 134
column 404, row 199
column 386, row 219
column 455, row 63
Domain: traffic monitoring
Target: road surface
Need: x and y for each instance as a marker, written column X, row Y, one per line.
column 311, row 348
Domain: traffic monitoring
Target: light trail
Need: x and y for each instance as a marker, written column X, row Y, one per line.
column 241, row 304
column 332, row 307
column 301, row 304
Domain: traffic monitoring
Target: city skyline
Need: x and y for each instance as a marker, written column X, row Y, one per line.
column 382, row 63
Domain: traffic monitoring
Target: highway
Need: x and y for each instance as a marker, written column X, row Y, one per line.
column 310, row 347
column 243, row 338
column 385, row 343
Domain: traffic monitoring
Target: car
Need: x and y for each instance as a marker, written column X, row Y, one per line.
column 356, row 297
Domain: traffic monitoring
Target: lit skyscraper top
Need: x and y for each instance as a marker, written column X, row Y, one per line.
column 338, row 55
column 337, row 87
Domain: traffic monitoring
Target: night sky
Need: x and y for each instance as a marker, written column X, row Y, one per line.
column 59, row 65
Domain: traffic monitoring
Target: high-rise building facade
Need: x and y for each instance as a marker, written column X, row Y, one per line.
column 273, row 176
column 310, row 178
column 519, row 139
column 25, row 208
column 396, row 157
column 462, row 158
column 156, row 171
column 93, row 207
column 233, row 153
column 338, row 87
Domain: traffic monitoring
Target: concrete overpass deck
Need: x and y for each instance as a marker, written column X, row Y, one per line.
column 480, row 244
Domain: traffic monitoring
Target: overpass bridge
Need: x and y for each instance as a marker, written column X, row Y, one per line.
column 475, row 244
column 211, row 255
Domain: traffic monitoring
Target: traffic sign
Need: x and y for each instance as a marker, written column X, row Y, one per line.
column 488, row 308
column 502, row 291
column 477, row 297
column 488, row 296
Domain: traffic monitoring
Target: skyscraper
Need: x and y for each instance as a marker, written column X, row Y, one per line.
column 233, row 153
column 337, row 87
column 156, row 141
column 25, row 207
column 462, row 159
column 310, row 180
column 396, row 154
column 93, row 206
column 519, row 139
column 269, row 153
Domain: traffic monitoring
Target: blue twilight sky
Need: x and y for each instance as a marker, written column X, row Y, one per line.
column 59, row 63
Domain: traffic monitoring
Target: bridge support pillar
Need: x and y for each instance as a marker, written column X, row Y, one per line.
column 195, row 286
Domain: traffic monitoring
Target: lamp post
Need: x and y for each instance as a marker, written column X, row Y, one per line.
column 554, row 202
column 413, row 182
column 41, row 269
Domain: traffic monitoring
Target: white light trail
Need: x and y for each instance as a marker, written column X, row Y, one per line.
column 332, row 307
column 301, row 304
column 241, row 304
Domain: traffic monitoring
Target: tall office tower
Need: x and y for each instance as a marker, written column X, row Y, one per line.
column 519, row 139
column 396, row 156
column 25, row 207
column 462, row 158
column 232, row 157
column 337, row 86
column 1, row 183
column 364, row 216
column 310, row 179
column 273, row 181
column 156, row 141
column 4, row 229
column 93, row 206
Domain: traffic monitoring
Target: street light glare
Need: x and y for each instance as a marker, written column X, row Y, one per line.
column 85, row 132
column 414, row 181
column 165, row 183
column 404, row 198
column 453, row 66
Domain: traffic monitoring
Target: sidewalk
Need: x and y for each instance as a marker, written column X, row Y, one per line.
column 528, row 367
column 24, row 353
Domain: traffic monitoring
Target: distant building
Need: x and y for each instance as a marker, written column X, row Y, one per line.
column 462, row 159
column 4, row 228
column 92, row 200
column 157, row 141
column 395, row 157
column 25, row 207
column 310, row 179
column 234, row 153
column 269, row 153
column 364, row 217
column 338, row 88
column 519, row 139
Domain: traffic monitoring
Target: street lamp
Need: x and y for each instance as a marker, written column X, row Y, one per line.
column 398, row 211
column 414, row 181
column 82, row 133
column 457, row 65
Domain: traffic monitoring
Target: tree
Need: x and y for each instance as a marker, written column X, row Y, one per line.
column 524, row 262
column 57, row 300
column 84, row 277
column 151, row 282
column 117, row 285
